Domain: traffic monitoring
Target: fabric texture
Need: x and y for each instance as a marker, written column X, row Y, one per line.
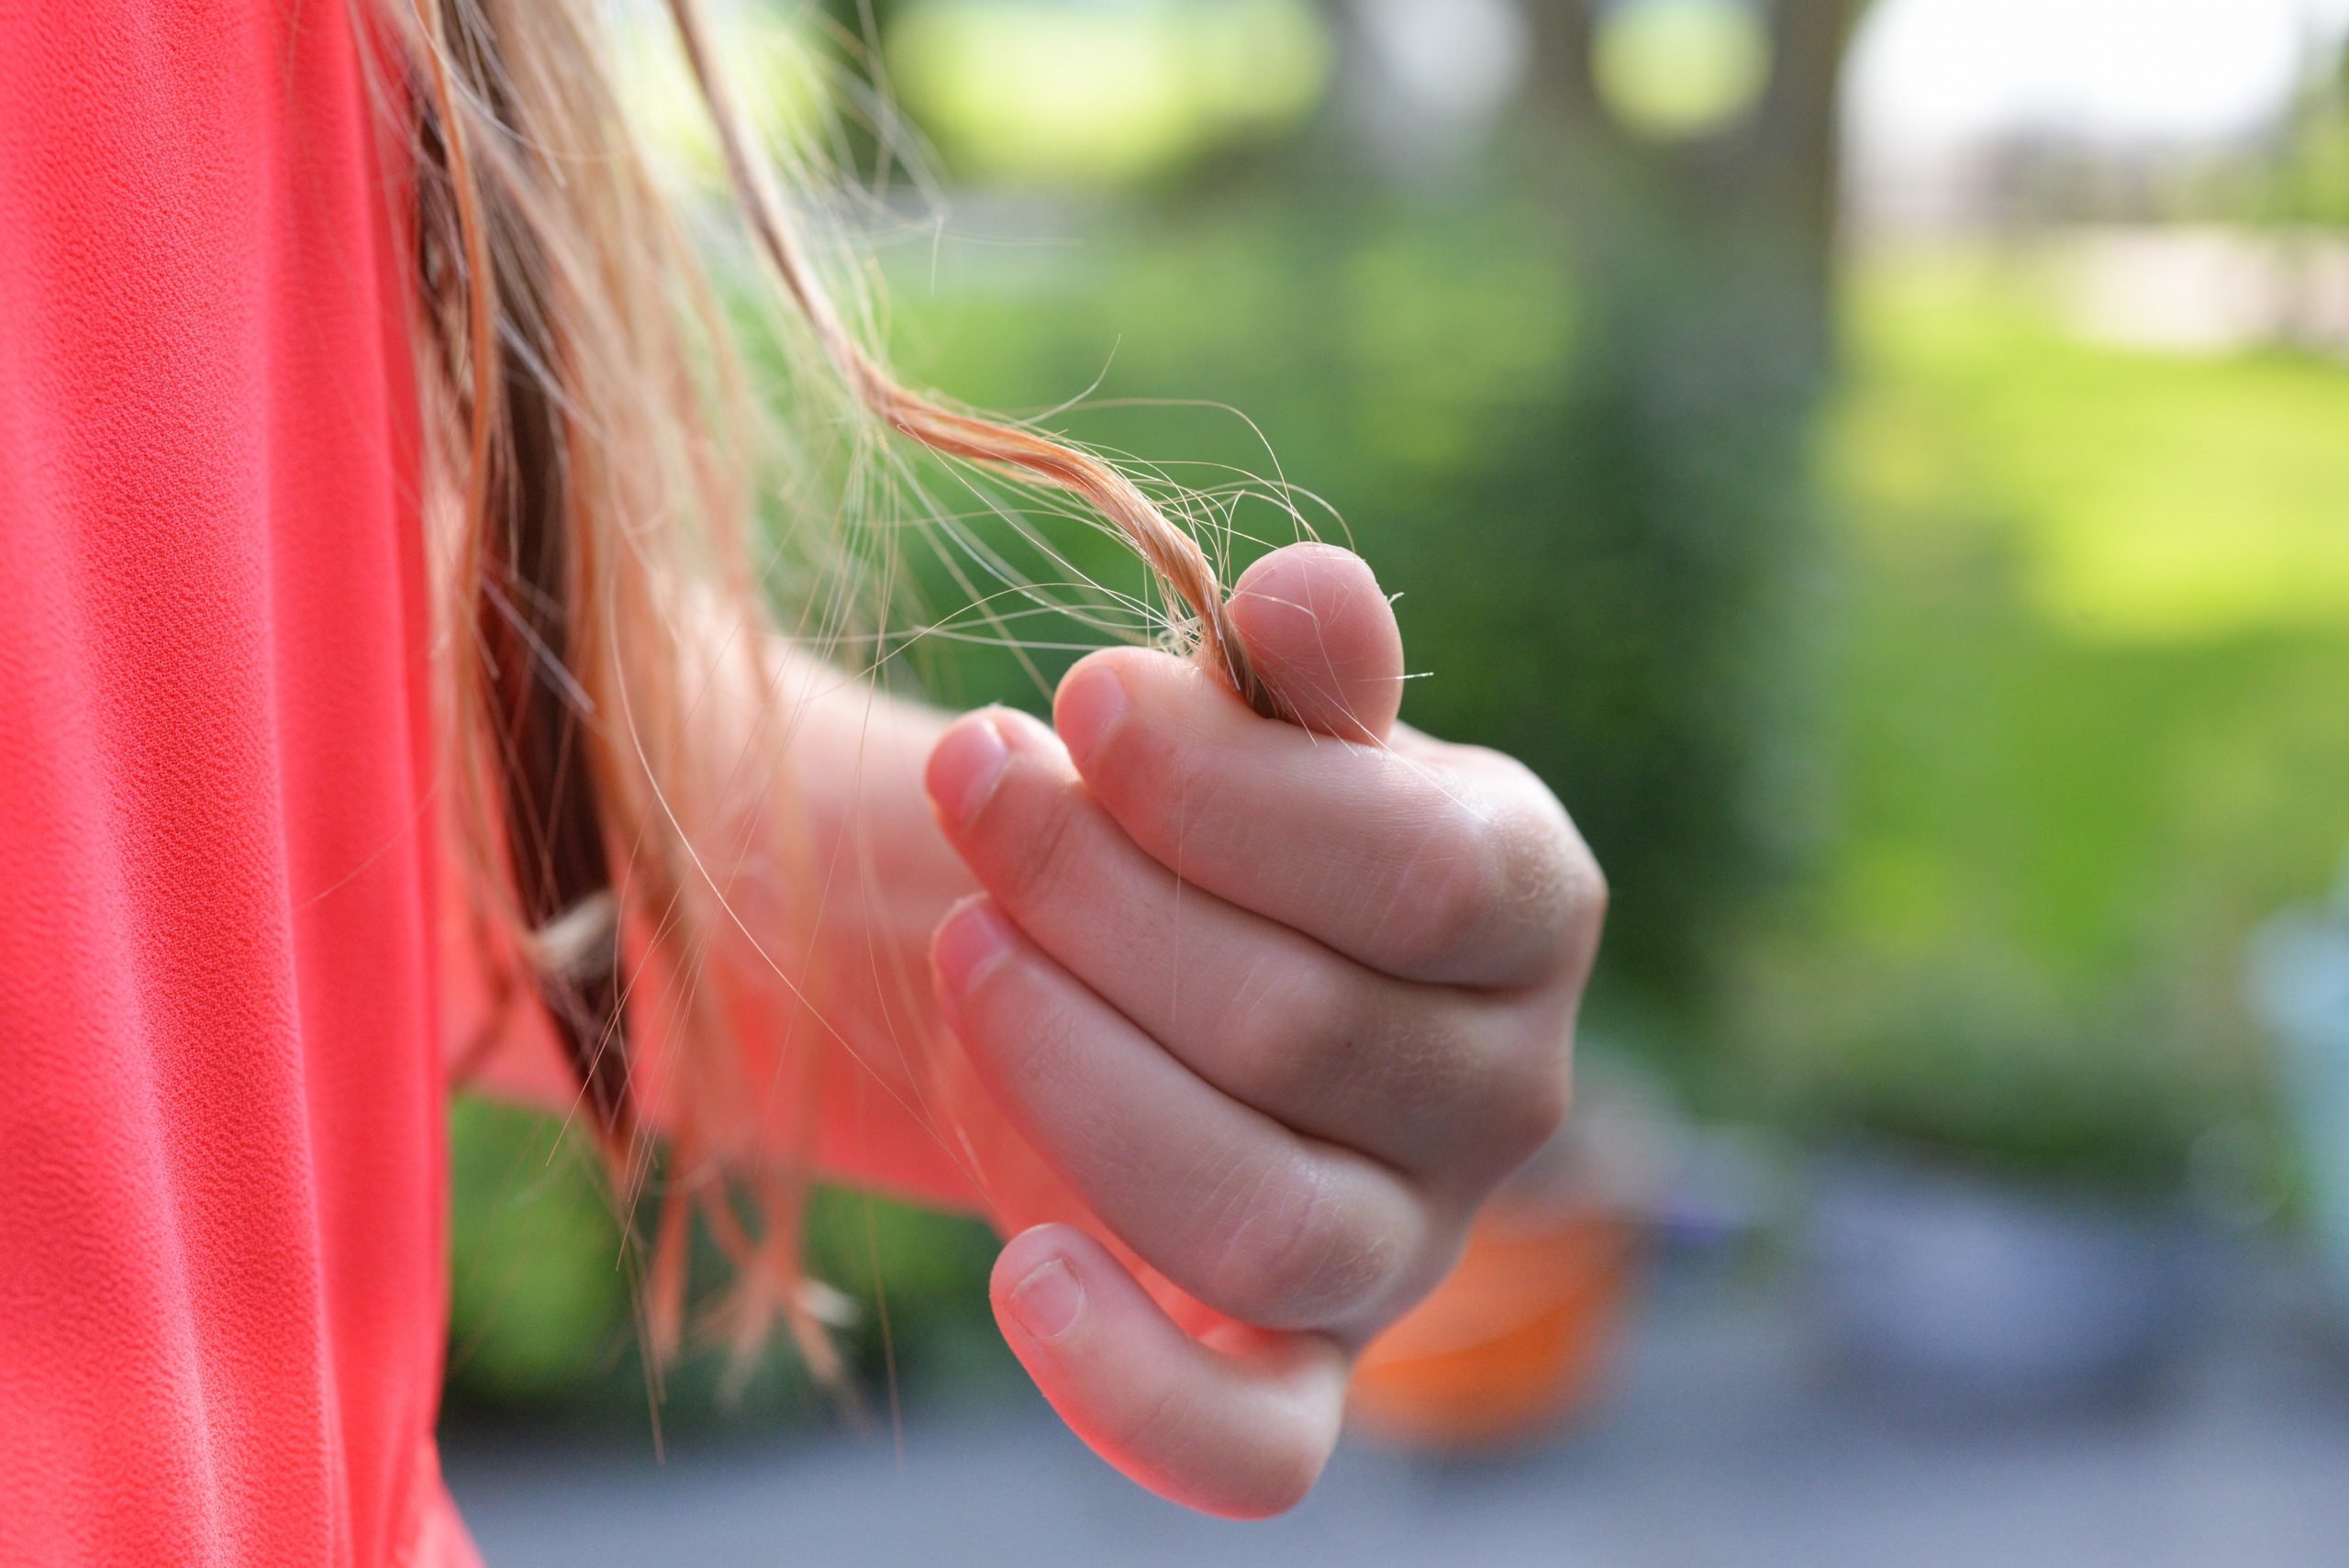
column 221, row 1157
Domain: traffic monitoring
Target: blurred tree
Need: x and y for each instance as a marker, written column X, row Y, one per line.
column 1772, row 175
column 1656, row 665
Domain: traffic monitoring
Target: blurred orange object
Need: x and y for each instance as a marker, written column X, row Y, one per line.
column 1512, row 1342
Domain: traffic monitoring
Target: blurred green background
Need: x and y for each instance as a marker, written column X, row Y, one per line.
column 1947, row 665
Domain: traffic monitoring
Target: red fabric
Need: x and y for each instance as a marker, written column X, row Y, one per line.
column 220, row 1100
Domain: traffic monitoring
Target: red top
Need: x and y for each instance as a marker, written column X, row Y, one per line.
column 221, row 1166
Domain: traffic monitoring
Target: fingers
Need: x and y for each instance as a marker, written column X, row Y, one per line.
column 1323, row 638
column 1276, row 1002
column 1426, row 1079
column 1444, row 864
column 1231, row 1206
column 1243, row 1431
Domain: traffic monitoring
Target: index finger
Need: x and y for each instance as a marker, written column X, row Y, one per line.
column 1427, row 863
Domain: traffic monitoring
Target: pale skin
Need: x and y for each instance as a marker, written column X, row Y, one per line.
column 1238, row 1021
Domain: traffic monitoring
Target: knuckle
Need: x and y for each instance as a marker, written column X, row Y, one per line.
column 1297, row 1258
column 1533, row 1091
column 1532, row 1106
column 1255, row 1272
column 1431, row 1060
column 1285, row 1029
column 1562, row 874
column 1440, row 894
column 1591, row 899
column 1535, row 879
column 1543, row 897
column 1553, row 877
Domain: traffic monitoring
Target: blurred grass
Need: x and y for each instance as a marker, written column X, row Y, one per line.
column 2085, row 725
column 2150, row 497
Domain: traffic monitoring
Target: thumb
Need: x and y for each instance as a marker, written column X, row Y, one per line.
column 1323, row 638
column 1238, row 1424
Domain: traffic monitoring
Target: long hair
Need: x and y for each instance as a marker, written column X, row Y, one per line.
column 590, row 466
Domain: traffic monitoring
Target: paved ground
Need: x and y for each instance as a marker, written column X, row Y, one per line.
column 1720, row 1445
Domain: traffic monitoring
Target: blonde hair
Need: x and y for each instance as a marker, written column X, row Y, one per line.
column 589, row 430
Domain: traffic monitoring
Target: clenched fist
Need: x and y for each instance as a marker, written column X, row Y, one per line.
column 1277, row 1005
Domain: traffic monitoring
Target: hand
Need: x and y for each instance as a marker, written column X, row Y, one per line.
column 1277, row 1004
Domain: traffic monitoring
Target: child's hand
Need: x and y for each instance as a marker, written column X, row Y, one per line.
column 1279, row 1004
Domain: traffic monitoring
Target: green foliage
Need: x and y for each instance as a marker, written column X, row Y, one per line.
column 2087, row 731
column 2303, row 178
column 543, row 1298
column 1974, row 1061
column 1025, row 92
column 537, row 1296
column 1672, row 69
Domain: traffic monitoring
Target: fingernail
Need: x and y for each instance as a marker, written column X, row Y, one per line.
column 1049, row 1301
column 1090, row 706
column 972, row 940
column 963, row 768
